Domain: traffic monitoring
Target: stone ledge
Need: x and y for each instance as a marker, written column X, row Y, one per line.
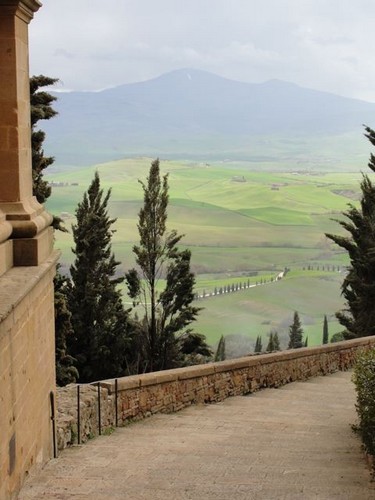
column 191, row 372
column 17, row 283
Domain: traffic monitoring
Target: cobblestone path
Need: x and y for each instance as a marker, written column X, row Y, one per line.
column 294, row 442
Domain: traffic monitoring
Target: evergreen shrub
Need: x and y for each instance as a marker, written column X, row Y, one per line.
column 364, row 381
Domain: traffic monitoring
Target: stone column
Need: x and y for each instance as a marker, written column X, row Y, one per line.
column 24, row 218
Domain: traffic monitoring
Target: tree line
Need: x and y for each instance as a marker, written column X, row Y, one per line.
column 296, row 339
column 237, row 287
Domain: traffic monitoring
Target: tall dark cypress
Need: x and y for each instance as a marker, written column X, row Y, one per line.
column 325, row 330
column 220, row 351
column 169, row 310
column 40, row 109
column 258, row 344
column 271, row 344
column 295, row 333
column 358, row 287
column 66, row 372
column 101, row 339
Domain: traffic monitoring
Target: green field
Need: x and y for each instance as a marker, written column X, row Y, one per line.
column 237, row 222
column 258, row 310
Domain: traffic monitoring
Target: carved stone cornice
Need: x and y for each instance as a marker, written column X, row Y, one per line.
column 23, row 8
column 27, row 218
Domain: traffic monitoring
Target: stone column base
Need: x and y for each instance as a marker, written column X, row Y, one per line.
column 30, row 230
column 33, row 251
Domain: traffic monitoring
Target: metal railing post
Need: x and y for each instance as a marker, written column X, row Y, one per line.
column 99, row 412
column 78, row 416
column 116, row 402
column 53, row 418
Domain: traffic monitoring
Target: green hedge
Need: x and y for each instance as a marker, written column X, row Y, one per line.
column 364, row 380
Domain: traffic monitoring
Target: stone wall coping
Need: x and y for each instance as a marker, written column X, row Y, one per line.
column 192, row 372
column 123, row 383
column 17, row 283
column 195, row 371
column 157, row 377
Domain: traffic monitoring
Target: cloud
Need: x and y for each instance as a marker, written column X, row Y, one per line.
column 64, row 54
column 92, row 44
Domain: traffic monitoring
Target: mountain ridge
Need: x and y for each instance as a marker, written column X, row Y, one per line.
column 193, row 113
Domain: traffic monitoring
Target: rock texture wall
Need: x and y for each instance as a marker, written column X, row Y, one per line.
column 67, row 422
column 171, row 390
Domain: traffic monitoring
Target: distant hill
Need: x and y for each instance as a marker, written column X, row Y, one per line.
column 195, row 114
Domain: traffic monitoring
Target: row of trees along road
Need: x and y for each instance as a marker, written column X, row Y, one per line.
column 97, row 336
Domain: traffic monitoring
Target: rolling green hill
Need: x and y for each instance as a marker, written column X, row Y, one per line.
column 238, row 222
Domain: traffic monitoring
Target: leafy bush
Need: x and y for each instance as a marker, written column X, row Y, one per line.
column 337, row 337
column 364, row 380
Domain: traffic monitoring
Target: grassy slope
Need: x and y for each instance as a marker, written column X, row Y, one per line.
column 257, row 310
column 271, row 221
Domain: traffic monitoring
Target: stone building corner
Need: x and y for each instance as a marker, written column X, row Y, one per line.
column 27, row 268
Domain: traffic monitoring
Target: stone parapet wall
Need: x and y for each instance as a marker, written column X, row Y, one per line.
column 140, row 396
column 67, row 411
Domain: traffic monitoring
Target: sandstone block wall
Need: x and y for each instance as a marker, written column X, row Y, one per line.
column 27, row 372
column 168, row 391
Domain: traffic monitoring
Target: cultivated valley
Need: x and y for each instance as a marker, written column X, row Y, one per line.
column 256, row 172
column 244, row 225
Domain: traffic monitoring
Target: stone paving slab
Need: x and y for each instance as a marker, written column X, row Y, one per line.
column 290, row 443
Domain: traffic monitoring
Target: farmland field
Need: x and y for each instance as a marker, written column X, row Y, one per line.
column 239, row 223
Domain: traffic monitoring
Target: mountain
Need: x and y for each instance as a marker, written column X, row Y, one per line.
column 195, row 114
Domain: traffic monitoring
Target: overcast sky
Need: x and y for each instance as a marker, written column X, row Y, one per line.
column 321, row 44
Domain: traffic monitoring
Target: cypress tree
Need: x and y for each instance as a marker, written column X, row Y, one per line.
column 40, row 109
column 325, row 330
column 358, row 287
column 295, row 333
column 101, row 339
column 276, row 341
column 273, row 342
column 170, row 312
column 258, row 344
column 220, row 351
column 271, row 345
column 66, row 372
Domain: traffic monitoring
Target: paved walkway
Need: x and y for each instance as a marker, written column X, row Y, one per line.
column 289, row 443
